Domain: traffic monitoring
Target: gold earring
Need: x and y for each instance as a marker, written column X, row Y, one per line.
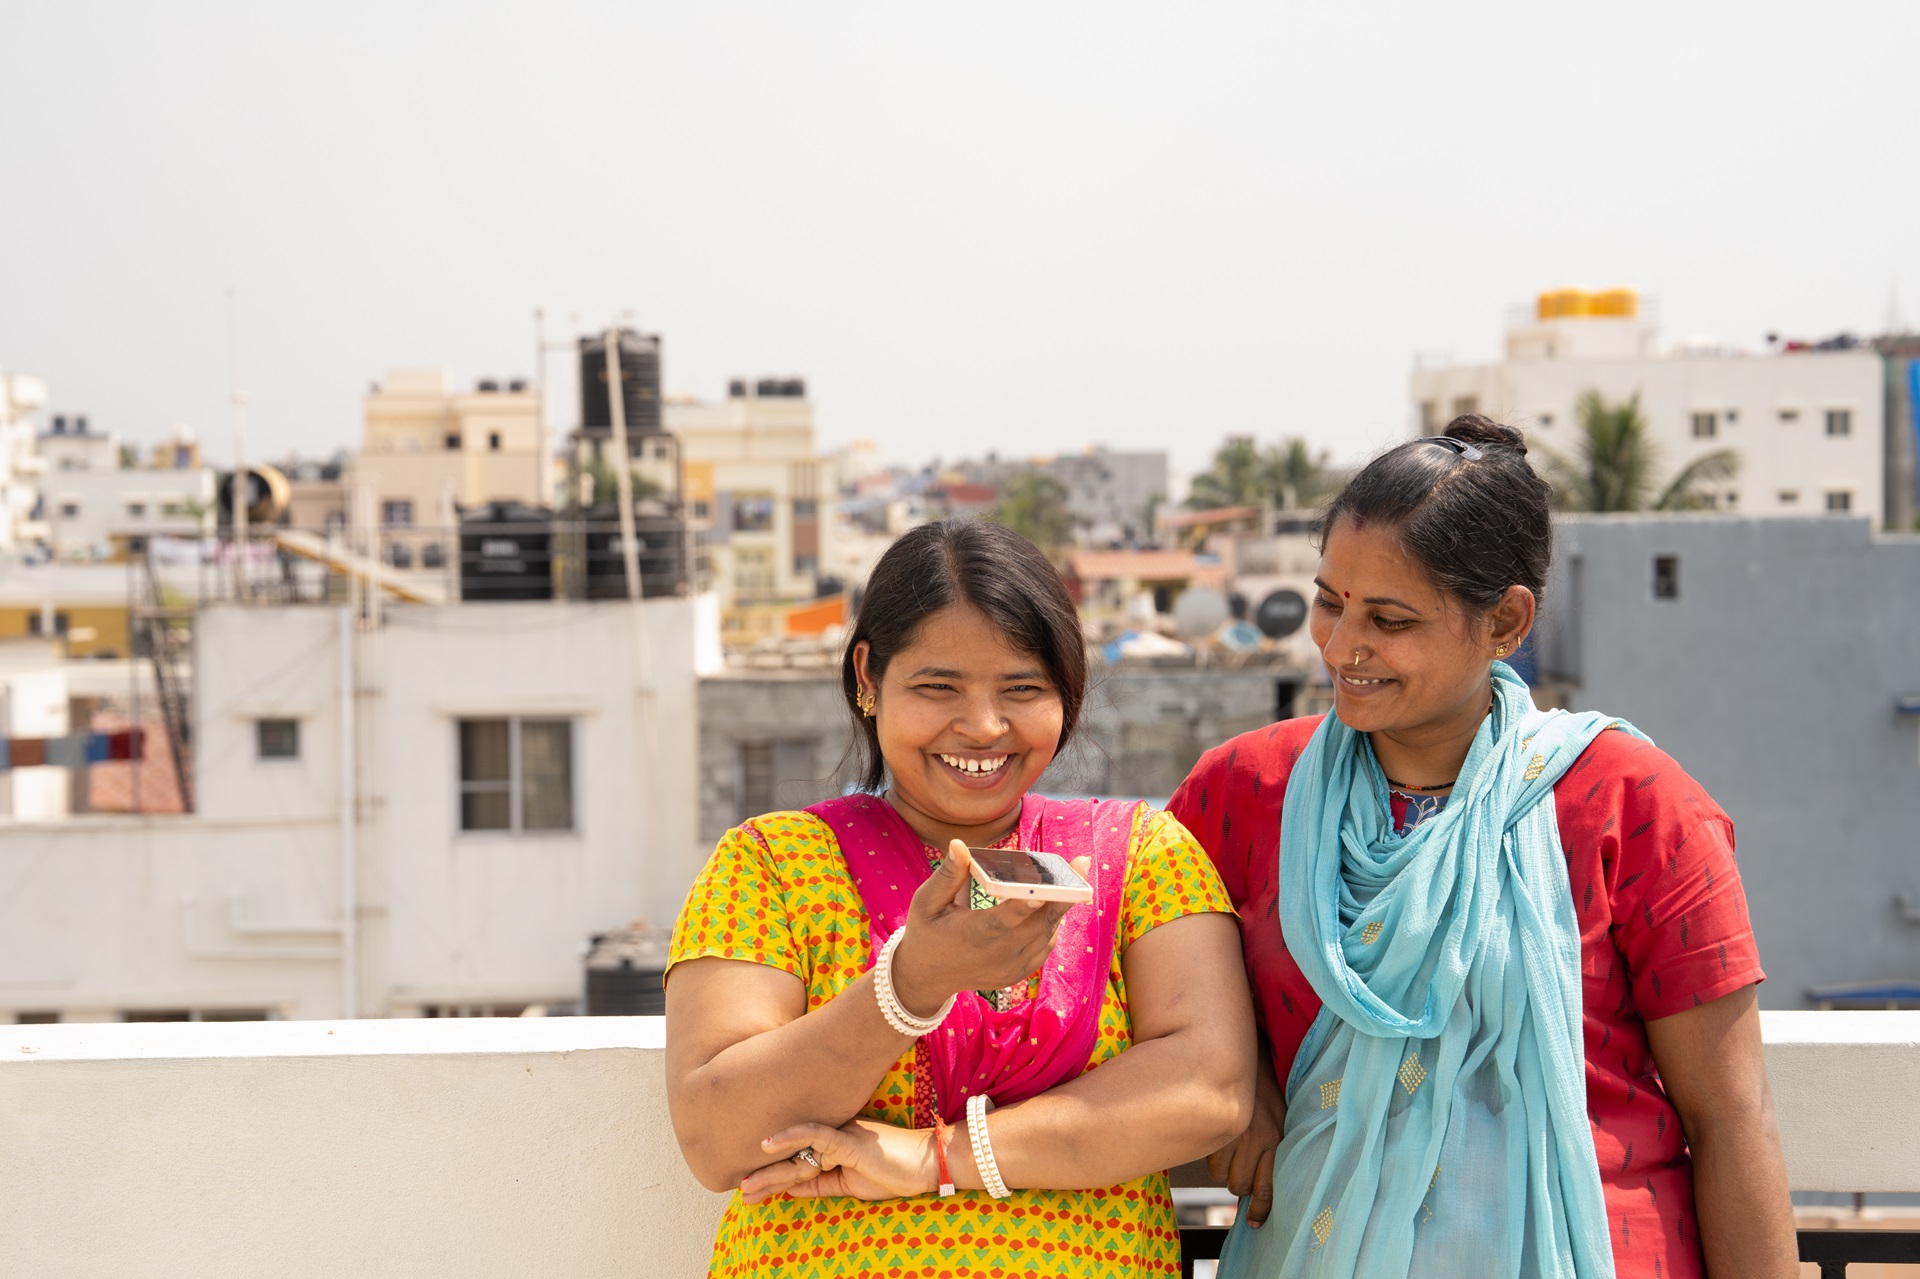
column 866, row 704
column 1501, row 651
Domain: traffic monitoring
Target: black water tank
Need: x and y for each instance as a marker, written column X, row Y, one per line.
column 506, row 553
column 660, row 536
column 639, row 385
column 625, row 974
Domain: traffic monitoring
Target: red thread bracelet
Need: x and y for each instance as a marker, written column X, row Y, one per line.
column 940, row 1130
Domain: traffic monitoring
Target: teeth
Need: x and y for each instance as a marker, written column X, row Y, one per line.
column 974, row 765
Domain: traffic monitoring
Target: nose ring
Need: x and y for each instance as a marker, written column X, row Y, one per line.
column 1356, row 657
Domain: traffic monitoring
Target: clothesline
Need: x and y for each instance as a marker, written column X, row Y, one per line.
column 73, row 750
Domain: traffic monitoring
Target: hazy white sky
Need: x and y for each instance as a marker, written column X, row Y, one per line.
column 1017, row 227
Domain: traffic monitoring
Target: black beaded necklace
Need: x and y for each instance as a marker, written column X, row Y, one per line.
column 1409, row 786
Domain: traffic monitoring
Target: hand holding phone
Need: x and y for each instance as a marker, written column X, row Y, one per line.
column 1020, row 875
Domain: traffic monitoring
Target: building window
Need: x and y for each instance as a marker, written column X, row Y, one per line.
column 516, row 774
column 805, row 564
column 493, row 441
column 196, row 1014
column 1789, row 497
column 1546, row 419
column 36, row 623
column 69, row 510
column 752, row 513
column 753, row 571
column 1666, row 577
column 701, row 511
column 1465, row 404
column 433, row 555
column 764, row 766
column 1840, row 501
column 173, row 509
column 1706, row 425
column 1733, row 417
column 1429, row 417
column 1789, row 415
column 36, row 1019
column 1839, row 421
column 1733, row 499
column 453, row 441
column 276, row 738
column 396, row 513
column 805, row 508
column 136, row 510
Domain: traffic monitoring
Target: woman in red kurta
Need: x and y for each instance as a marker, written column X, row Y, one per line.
column 1676, row 1090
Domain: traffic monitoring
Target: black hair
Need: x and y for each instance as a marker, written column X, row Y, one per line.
column 1477, row 525
column 970, row 562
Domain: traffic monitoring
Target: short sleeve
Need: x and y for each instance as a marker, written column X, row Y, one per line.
column 735, row 910
column 1168, row 875
column 1683, row 925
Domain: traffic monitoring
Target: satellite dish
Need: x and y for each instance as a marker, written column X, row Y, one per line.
column 1200, row 611
column 1281, row 613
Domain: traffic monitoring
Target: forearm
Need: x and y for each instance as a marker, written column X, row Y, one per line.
column 1740, row 1193
column 1157, row 1105
column 821, row 1067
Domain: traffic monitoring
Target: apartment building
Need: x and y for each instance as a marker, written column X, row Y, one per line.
column 1810, row 423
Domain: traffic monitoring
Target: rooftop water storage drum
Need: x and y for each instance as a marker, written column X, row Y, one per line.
column 659, row 535
column 506, row 553
column 639, row 361
column 625, row 974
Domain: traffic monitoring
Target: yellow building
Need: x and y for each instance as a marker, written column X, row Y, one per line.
column 429, row 450
column 84, row 605
column 758, row 498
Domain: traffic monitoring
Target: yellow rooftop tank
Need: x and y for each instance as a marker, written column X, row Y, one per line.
column 1563, row 304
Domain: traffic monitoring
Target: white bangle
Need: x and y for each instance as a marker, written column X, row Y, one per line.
column 983, row 1148
column 890, row 1006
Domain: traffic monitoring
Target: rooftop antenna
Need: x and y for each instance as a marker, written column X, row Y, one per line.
column 238, row 487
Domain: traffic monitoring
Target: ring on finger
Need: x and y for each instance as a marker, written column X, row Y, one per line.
column 806, row 1156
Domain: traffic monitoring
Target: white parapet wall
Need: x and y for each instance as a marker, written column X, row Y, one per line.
column 536, row 1146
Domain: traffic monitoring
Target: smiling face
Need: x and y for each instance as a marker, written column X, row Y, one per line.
column 967, row 723
column 1424, row 659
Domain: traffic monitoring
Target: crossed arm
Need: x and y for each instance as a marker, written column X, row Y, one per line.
column 1183, row 1088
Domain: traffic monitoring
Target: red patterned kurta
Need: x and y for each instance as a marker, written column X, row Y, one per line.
column 1663, row 928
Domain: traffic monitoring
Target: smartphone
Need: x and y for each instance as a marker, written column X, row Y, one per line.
column 1017, row 873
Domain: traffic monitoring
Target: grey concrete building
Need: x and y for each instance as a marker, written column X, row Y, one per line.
column 1779, row 661
column 778, row 739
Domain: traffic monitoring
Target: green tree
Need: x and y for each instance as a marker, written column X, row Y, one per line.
column 1616, row 460
column 606, row 484
column 1034, row 505
column 1288, row 474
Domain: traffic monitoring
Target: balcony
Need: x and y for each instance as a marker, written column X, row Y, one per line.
column 541, row 1146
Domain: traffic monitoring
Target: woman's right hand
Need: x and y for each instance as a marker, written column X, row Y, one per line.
column 951, row 947
column 1245, row 1164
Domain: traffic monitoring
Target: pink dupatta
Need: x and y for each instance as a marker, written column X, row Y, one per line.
column 1048, row 1039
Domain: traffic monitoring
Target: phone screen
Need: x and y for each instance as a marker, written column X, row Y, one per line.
column 1017, row 866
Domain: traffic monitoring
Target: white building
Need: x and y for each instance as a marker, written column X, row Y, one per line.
column 759, row 498
column 89, row 501
column 20, row 395
column 426, row 818
column 1810, row 426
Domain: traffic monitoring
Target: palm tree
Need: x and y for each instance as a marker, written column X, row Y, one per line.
column 1614, row 467
column 1244, row 474
column 1034, row 505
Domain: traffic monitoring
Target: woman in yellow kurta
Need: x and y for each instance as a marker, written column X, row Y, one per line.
column 834, row 1046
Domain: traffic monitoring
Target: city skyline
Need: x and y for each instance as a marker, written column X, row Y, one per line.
column 1124, row 227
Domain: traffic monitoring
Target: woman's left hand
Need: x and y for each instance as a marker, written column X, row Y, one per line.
column 866, row 1159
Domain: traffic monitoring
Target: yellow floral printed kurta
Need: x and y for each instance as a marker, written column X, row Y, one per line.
column 792, row 905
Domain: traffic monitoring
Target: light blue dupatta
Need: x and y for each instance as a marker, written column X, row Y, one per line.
column 1436, row 1112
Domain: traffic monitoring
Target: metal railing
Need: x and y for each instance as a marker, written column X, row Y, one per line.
column 1832, row 1250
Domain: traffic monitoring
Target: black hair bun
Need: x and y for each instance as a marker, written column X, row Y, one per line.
column 1476, row 428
